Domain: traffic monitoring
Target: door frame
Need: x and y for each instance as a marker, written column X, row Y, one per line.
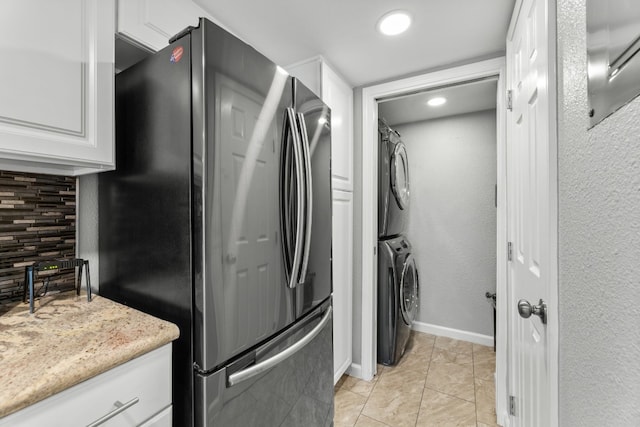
column 369, row 220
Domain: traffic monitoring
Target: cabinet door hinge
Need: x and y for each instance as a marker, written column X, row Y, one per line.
column 510, row 100
column 512, row 405
column 509, row 251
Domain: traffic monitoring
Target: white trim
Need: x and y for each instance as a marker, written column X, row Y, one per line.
column 554, row 296
column 355, row 370
column 502, row 268
column 456, row 334
column 369, row 220
column 506, row 420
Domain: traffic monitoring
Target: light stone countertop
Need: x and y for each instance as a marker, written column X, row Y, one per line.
column 69, row 340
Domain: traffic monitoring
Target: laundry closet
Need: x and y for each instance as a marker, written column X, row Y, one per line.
column 449, row 138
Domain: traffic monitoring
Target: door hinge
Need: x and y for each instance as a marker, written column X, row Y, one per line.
column 509, row 251
column 510, row 100
column 512, row 405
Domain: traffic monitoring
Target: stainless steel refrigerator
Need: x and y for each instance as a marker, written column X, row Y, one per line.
column 218, row 218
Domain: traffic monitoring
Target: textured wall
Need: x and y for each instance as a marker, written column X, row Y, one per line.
column 452, row 225
column 599, row 245
column 37, row 223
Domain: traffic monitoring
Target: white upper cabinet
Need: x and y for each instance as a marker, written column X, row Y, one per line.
column 152, row 23
column 338, row 95
column 56, row 85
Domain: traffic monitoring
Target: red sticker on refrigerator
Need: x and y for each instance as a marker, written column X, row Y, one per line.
column 176, row 55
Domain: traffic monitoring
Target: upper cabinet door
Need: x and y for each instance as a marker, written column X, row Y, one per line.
column 339, row 97
column 153, row 22
column 56, row 85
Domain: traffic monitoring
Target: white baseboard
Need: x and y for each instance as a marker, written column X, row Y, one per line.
column 355, row 370
column 506, row 421
column 457, row 334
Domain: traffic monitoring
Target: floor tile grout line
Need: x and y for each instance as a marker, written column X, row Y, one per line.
column 425, row 382
column 475, row 389
column 450, row 395
column 369, row 396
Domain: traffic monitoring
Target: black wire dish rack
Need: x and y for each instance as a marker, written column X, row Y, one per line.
column 30, row 273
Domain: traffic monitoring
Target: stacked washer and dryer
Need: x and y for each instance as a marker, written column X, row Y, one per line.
column 397, row 274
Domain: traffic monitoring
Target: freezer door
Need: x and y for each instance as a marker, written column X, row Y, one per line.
column 297, row 391
column 314, row 123
column 240, row 103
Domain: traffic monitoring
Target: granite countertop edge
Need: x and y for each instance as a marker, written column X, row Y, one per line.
column 67, row 341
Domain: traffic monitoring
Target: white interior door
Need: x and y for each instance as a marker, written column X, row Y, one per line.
column 531, row 194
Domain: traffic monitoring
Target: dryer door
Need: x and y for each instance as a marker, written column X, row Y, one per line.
column 400, row 175
column 409, row 290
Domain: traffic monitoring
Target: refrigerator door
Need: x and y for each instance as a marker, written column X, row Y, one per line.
column 240, row 100
column 314, row 123
column 294, row 391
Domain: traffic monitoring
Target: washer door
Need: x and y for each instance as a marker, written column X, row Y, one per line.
column 400, row 175
column 409, row 290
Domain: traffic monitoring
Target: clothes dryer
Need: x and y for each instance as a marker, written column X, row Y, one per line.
column 397, row 298
column 393, row 183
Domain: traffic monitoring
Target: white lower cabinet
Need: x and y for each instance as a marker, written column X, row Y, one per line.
column 342, row 248
column 143, row 385
column 56, row 86
column 163, row 419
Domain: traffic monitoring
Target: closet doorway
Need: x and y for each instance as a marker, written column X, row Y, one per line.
column 485, row 71
column 450, row 138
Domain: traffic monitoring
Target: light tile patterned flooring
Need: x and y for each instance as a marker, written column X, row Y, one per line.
column 438, row 382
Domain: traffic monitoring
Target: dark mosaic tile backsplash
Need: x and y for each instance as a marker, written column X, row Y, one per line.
column 37, row 223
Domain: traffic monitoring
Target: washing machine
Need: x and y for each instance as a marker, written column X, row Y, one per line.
column 397, row 297
column 393, row 183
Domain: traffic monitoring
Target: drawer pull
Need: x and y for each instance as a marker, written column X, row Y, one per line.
column 120, row 407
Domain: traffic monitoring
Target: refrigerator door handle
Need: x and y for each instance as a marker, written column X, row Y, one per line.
column 309, row 196
column 245, row 374
column 300, row 201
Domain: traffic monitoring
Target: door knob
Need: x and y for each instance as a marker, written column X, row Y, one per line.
column 526, row 310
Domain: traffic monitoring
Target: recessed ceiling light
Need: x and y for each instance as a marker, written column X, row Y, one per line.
column 394, row 23
column 435, row 102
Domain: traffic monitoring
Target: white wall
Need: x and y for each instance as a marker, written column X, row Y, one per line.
column 452, row 225
column 599, row 245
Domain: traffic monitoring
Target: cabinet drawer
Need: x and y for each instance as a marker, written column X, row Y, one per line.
column 146, row 378
column 162, row 419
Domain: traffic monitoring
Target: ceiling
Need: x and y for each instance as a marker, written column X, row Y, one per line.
column 461, row 99
column 443, row 32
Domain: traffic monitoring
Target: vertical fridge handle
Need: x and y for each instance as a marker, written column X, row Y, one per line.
column 300, row 199
column 308, row 195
